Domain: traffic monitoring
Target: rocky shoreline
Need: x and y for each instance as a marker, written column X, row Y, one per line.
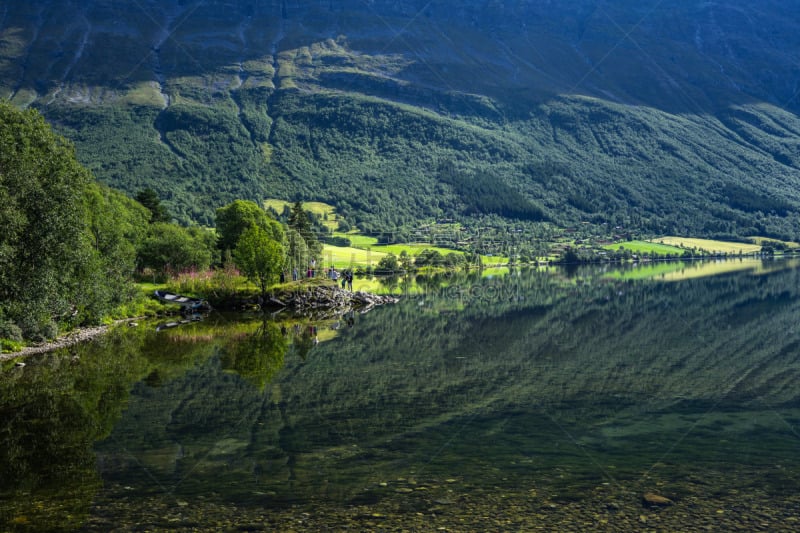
column 70, row 339
column 326, row 299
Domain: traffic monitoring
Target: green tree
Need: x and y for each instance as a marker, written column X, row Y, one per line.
column 405, row 261
column 388, row 263
column 240, row 215
column 429, row 258
column 297, row 252
column 43, row 244
column 300, row 222
column 116, row 227
column 158, row 212
column 454, row 260
column 259, row 257
column 206, row 238
column 169, row 247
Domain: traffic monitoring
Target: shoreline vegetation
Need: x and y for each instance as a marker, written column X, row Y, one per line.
column 321, row 301
column 316, row 297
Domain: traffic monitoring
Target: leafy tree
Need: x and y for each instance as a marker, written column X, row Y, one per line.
column 429, row 258
column 454, row 260
column 240, row 215
column 207, row 239
column 116, row 227
column 297, row 252
column 172, row 247
column 116, row 223
column 344, row 225
column 405, row 261
column 149, row 198
column 259, row 257
column 43, row 249
column 388, row 263
column 300, row 222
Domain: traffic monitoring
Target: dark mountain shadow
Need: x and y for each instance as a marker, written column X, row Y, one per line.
column 696, row 58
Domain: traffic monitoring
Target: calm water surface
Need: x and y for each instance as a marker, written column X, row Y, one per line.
column 534, row 400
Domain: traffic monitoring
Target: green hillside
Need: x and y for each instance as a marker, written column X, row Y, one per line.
column 642, row 118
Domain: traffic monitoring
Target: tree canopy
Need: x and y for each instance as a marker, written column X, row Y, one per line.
column 43, row 216
column 300, row 223
column 238, row 216
column 175, row 248
column 149, row 198
column 259, row 256
column 69, row 246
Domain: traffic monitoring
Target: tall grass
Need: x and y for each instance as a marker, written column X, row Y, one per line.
column 219, row 283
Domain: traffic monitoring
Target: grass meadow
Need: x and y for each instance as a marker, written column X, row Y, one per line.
column 710, row 246
column 645, row 247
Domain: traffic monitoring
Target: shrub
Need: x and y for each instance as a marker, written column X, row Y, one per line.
column 10, row 331
column 388, row 263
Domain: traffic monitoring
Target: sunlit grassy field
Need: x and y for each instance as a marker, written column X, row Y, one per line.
column 326, row 212
column 412, row 249
column 364, row 249
column 709, row 245
column 357, row 240
column 645, row 247
column 349, row 257
column 765, row 240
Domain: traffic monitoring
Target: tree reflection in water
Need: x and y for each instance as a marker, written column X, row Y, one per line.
column 257, row 356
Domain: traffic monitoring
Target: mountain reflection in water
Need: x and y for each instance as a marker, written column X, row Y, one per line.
column 541, row 397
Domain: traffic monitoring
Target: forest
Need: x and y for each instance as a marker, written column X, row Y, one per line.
column 570, row 160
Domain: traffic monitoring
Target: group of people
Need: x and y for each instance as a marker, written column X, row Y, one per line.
column 346, row 275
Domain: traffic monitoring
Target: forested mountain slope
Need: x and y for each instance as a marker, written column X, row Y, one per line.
column 670, row 117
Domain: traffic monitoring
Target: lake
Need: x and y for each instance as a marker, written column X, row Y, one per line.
column 527, row 400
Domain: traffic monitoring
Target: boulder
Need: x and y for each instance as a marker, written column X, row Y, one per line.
column 651, row 499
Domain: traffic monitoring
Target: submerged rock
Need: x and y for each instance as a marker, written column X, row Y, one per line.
column 652, row 499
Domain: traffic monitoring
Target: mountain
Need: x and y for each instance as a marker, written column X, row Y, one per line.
column 666, row 117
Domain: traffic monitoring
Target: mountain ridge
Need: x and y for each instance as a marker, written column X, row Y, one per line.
column 663, row 118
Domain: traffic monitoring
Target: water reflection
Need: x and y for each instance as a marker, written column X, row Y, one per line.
column 539, row 387
column 257, row 356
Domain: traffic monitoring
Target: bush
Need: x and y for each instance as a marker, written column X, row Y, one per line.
column 40, row 332
column 10, row 331
column 429, row 258
column 387, row 264
column 37, row 328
